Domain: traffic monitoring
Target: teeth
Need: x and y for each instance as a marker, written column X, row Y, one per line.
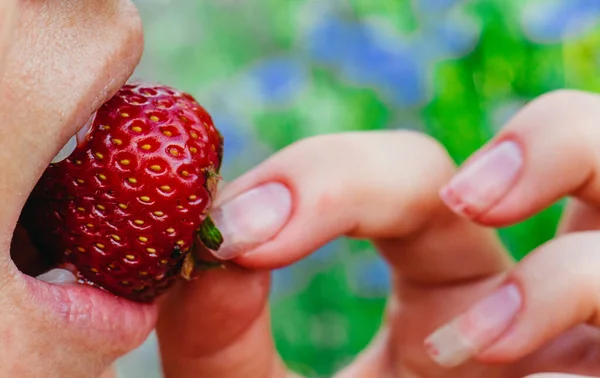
column 77, row 140
column 58, row 277
column 82, row 135
column 66, row 151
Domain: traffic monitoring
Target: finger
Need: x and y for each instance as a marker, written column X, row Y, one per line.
column 579, row 216
column 379, row 185
column 8, row 10
column 547, row 151
column 218, row 326
column 551, row 291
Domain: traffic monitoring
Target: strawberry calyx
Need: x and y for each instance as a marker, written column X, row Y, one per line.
column 210, row 235
column 199, row 258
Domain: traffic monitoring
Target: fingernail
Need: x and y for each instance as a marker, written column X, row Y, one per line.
column 252, row 218
column 58, row 277
column 483, row 182
column 468, row 334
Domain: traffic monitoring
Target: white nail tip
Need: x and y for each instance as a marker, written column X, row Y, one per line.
column 58, row 276
column 66, row 151
column 448, row 348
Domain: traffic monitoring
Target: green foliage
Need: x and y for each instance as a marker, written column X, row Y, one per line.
column 325, row 325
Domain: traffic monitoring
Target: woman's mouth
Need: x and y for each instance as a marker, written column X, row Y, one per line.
column 99, row 313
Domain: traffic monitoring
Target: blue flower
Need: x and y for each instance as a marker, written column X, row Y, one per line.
column 331, row 39
column 370, row 277
column 389, row 66
column 279, row 79
column 454, row 36
column 552, row 21
column 436, row 6
column 235, row 141
column 363, row 56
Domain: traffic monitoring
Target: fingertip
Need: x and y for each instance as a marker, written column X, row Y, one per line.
column 252, row 218
column 466, row 336
column 485, row 179
column 556, row 282
column 455, row 203
column 544, row 153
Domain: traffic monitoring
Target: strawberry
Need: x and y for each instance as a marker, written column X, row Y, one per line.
column 128, row 207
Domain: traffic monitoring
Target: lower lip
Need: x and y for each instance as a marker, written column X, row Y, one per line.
column 94, row 311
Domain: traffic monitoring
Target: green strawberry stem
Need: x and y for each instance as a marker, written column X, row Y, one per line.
column 210, row 235
column 199, row 258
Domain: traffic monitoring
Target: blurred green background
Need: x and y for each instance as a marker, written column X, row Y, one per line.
column 272, row 72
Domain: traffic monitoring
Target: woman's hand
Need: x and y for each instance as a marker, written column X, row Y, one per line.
column 382, row 186
column 59, row 61
column 550, row 150
column 503, row 319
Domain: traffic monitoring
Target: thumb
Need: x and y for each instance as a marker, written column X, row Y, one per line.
column 219, row 326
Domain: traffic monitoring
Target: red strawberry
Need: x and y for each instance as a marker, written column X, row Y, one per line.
column 126, row 207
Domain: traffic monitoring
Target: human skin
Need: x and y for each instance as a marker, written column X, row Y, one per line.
column 435, row 229
column 60, row 60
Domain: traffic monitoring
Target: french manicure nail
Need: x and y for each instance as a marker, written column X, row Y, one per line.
column 58, row 277
column 468, row 334
column 483, row 182
column 252, row 218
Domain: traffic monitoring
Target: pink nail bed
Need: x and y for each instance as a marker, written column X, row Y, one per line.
column 485, row 181
column 462, row 338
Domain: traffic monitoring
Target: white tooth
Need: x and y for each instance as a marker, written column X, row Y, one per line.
column 58, row 276
column 82, row 135
column 66, row 151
